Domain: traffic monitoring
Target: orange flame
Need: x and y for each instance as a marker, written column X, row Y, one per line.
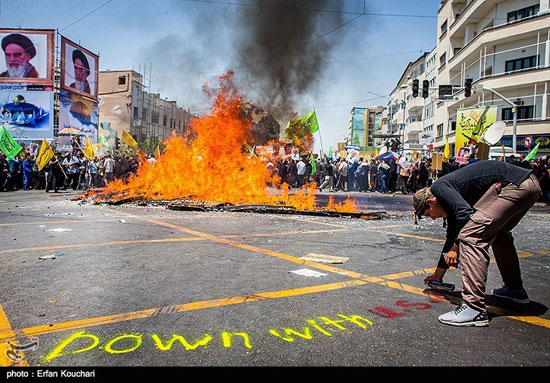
column 212, row 163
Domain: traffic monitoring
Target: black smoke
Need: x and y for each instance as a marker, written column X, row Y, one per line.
column 282, row 49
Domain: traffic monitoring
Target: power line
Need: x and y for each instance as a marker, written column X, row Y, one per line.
column 86, row 15
column 217, row 73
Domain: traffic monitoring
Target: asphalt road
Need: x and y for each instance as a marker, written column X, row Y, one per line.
column 147, row 286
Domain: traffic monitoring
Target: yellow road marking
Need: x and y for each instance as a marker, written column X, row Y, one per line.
column 340, row 271
column 272, row 253
column 533, row 320
column 7, row 334
column 141, row 314
column 162, row 240
column 388, row 280
column 59, row 247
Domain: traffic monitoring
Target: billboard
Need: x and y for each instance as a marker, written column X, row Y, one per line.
column 79, row 69
column 473, row 123
column 526, row 143
column 358, row 127
column 28, row 56
column 27, row 111
column 78, row 116
column 426, row 137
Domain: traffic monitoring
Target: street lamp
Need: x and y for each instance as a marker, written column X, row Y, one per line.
column 480, row 87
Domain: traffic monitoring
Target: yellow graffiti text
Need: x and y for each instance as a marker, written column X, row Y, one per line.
column 227, row 336
column 178, row 338
column 57, row 352
column 137, row 339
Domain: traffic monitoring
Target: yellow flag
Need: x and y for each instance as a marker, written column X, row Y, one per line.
column 375, row 152
column 447, row 151
column 89, row 150
column 98, row 149
column 44, row 155
column 157, row 152
column 128, row 139
column 415, row 155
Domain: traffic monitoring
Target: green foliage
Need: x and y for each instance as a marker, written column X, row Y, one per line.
column 149, row 146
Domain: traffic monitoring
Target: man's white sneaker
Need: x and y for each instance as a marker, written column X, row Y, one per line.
column 465, row 316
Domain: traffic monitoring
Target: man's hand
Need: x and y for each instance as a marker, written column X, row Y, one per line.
column 436, row 276
column 452, row 256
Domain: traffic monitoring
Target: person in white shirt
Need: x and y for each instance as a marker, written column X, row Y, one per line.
column 300, row 172
column 109, row 169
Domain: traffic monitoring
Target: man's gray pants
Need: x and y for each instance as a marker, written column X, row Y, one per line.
column 497, row 213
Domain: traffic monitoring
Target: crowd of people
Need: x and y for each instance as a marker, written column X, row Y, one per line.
column 70, row 170
column 389, row 175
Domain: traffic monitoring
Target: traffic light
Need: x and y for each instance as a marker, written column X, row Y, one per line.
column 468, row 87
column 415, row 88
column 425, row 88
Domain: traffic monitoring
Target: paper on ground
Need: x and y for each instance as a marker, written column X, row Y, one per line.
column 324, row 258
column 308, row 273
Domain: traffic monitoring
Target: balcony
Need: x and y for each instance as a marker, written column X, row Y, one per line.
column 415, row 105
column 413, row 128
column 475, row 7
column 500, row 35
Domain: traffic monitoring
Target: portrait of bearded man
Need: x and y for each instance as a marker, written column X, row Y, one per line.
column 81, row 72
column 19, row 51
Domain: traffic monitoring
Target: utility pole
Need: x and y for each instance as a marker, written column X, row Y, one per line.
column 480, row 87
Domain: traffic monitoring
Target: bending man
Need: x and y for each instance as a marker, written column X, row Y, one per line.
column 482, row 203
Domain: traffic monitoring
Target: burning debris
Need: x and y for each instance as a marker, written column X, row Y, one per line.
column 211, row 170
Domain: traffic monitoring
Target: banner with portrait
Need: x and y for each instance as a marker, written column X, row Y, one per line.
column 78, row 117
column 472, row 123
column 79, row 69
column 28, row 56
column 27, row 111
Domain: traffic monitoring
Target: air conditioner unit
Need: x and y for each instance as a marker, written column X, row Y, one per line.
column 519, row 102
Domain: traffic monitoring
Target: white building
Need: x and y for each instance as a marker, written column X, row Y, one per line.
column 503, row 46
column 405, row 112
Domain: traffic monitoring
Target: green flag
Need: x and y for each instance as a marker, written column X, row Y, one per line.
column 313, row 166
column 251, row 150
column 103, row 141
column 10, row 148
column 302, row 126
column 532, row 153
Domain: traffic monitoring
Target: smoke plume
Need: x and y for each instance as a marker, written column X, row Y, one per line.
column 282, row 50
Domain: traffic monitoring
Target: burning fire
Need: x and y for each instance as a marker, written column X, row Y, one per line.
column 212, row 164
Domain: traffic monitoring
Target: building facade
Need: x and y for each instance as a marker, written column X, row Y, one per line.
column 406, row 113
column 364, row 124
column 503, row 47
column 125, row 104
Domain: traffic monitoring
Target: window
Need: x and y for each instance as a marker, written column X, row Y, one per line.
column 439, row 130
column 524, row 113
column 121, row 80
column 136, row 113
column 523, row 13
column 155, row 118
column 522, row 63
column 443, row 59
column 144, row 114
column 444, row 28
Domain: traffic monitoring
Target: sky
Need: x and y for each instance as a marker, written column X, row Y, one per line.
column 344, row 54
